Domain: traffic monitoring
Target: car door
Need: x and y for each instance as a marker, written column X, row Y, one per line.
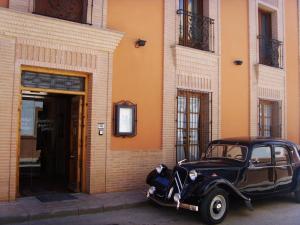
column 283, row 168
column 258, row 178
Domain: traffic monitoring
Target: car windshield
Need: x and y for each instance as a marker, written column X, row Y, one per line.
column 226, row 151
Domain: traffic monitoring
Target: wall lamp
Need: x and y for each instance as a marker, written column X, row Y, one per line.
column 140, row 43
column 238, row 62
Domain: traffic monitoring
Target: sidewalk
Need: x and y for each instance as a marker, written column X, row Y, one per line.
column 30, row 208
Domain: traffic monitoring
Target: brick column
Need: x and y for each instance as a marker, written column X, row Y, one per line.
column 8, row 118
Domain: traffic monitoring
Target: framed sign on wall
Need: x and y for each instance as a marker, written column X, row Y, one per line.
column 125, row 118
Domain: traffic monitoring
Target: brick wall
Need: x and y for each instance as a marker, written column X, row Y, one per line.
column 127, row 170
column 7, row 128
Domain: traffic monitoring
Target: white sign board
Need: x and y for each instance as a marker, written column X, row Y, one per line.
column 125, row 120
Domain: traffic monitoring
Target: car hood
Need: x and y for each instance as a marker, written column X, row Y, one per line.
column 228, row 169
column 212, row 164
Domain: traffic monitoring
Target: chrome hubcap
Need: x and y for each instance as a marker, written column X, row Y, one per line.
column 218, row 207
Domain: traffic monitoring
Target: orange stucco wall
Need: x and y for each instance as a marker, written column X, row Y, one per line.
column 235, row 79
column 3, row 3
column 292, row 69
column 137, row 72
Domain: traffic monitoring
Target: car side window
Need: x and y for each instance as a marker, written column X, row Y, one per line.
column 282, row 157
column 261, row 156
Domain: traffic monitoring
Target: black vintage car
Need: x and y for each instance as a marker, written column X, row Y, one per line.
column 235, row 168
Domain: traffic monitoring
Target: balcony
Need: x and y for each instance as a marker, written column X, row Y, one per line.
column 270, row 52
column 196, row 31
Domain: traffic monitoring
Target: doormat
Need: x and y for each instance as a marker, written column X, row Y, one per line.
column 54, row 197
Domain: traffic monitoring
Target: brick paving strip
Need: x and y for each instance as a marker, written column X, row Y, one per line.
column 30, row 208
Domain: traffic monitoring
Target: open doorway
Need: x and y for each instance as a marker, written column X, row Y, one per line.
column 50, row 143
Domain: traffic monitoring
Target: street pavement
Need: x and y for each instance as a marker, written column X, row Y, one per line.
column 276, row 211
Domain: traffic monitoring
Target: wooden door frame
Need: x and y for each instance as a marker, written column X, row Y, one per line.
column 84, row 94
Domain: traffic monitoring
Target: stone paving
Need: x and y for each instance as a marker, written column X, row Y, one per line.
column 30, row 208
column 280, row 210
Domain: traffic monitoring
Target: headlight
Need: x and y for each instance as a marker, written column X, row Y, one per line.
column 159, row 169
column 193, row 175
column 151, row 190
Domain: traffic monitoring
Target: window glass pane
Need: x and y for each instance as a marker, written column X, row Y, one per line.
column 194, row 120
column 281, row 156
column 261, row 155
column 28, row 117
column 28, row 120
column 51, row 81
column 181, row 103
column 194, row 104
column 216, row 151
column 227, row 151
column 181, row 2
column 236, row 152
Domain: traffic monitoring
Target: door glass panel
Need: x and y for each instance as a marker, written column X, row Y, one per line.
column 29, row 113
column 281, row 156
column 261, row 156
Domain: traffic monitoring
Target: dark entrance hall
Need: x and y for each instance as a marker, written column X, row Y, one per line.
column 50, row 136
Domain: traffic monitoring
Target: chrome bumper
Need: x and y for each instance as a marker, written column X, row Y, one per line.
column 174, row 205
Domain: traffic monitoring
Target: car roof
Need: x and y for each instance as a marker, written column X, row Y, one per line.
column 249, row 141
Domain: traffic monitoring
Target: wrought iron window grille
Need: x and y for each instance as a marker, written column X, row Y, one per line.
column 196, row 31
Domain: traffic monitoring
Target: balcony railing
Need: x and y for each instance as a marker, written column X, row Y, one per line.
column 270, row 52
column 196, row 31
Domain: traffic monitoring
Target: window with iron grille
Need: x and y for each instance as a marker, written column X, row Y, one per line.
column 195, row 29
column 193, row 124
column 270, row 49
column 269, row 118
column 72, row 10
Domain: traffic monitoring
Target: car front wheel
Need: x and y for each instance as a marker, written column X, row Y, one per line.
column 214, row 206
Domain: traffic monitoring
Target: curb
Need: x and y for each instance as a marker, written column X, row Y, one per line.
column 73, row 212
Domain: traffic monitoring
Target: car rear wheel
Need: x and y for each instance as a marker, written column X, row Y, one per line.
column 214, row 206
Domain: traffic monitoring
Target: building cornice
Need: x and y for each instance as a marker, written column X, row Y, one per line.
column 41, row 28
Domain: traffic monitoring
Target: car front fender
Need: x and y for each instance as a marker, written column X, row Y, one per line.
column 208, row 185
